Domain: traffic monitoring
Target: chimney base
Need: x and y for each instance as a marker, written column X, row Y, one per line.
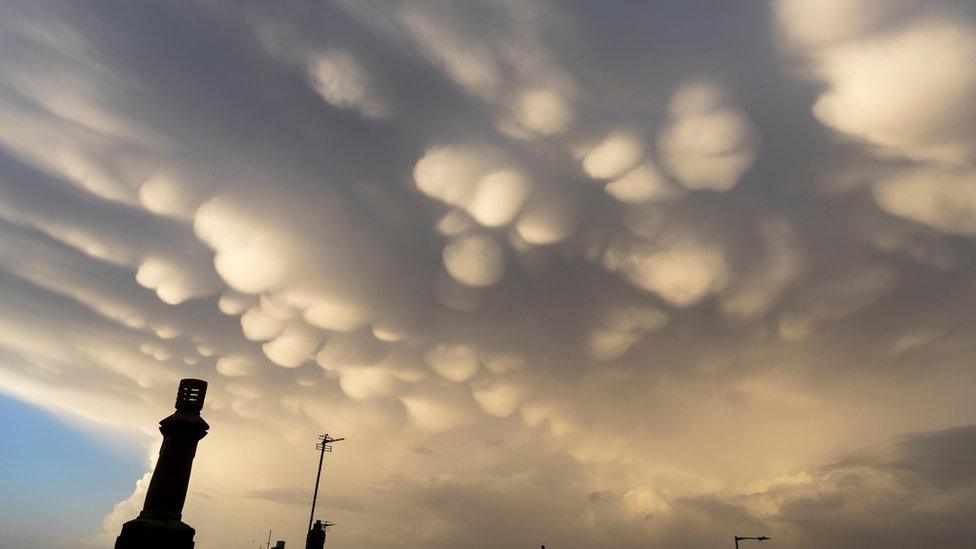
column 144, row 533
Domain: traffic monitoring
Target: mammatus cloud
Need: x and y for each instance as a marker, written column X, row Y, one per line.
column 869, row 54
column 707, row 143
column 649, row 276
column 944, row 199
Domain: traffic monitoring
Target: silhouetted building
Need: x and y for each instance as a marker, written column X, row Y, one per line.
column 158, row 525
column 316, row 536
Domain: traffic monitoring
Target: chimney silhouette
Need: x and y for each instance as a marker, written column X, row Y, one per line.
column 316, row 536
column 158, row 525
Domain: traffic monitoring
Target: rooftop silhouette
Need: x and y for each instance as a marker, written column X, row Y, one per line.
column 160, row 525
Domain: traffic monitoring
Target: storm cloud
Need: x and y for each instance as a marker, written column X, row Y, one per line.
column 585, row 274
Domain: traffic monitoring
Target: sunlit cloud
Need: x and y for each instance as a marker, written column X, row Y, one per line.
column 648, row 276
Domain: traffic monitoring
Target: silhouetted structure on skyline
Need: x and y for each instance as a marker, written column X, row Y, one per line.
column 737, row 539
column 159, row 525
column 324, row 445
column 316, row 535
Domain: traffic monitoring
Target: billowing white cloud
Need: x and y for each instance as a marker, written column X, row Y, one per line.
column 365, row 383
column 234, row 303
column 498, row 197
column 335, row 315
column 707, row 143
column 619, row 328
column 548, row 218
column 258, row 325
column 474, row 260
column 172, row 282
column 612, row 156
column 350, row 350
column 165, row 194
column 509, row 251
column 500, row 398
column 451, row 173
column 644, row 183
column 544, row 111
column 437, row 413
column 943, row 199
column 341, row 81
column 294, row 346
column 682, row 271
column 501, row 363
column 236, row 365
column 454, row 362
column 248, row 259
column 872, row 60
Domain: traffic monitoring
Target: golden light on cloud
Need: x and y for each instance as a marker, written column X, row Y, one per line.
column 644, row 277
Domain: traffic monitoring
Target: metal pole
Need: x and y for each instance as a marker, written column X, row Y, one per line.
column 315, row 495
column 736, row 538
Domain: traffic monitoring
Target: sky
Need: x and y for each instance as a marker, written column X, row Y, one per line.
column 581, row 274
column 59, row 478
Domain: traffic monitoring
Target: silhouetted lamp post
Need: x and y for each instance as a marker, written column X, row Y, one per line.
column 739, row 538
column 158, row 525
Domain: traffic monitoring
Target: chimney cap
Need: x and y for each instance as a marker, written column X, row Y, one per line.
column 190, row 395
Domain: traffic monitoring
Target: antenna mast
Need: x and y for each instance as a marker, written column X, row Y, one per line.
column 324, row 445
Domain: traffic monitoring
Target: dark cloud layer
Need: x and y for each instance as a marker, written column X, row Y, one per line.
column 583, row 274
